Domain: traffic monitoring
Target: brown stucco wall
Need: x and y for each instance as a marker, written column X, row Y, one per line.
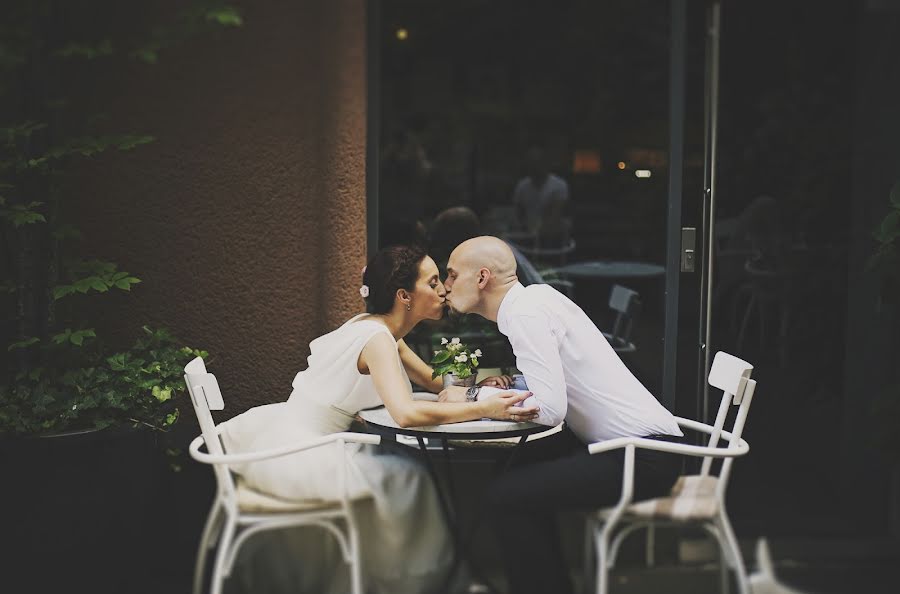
column 246, row 218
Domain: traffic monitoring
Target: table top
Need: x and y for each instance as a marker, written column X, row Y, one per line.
column 381, row 421
column 612, row 269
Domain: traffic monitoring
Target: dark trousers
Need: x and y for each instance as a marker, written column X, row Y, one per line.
column 557, row 473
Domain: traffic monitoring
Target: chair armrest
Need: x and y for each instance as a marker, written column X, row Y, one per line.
column 666, row 446
column 703, row 428
column 257, row 456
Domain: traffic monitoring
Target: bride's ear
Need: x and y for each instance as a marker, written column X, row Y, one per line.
column 404, row 297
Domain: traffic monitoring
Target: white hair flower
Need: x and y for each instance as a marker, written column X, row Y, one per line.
column 444, row 341
column 477, row 352
column 454, row 341
column 364, row 291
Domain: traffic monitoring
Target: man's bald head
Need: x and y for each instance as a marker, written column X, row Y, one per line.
column 488, row 252
column 479, row 273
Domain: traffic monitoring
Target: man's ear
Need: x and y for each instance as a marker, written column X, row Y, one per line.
column 484, row 275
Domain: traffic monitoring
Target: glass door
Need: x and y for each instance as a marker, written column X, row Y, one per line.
column 549, row 124
column 802, row 158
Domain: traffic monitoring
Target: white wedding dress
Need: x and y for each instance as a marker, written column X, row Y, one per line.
column 406, row 547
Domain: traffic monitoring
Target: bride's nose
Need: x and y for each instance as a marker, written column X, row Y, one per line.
column 441, row 290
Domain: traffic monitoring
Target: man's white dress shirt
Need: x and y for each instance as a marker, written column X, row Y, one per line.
column 573, row 372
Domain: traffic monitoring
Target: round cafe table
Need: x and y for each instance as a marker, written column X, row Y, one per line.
column 379, row 421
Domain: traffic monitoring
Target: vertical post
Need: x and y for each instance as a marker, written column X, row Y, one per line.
column 677, row 76
column 711, row 119
column 373, row 122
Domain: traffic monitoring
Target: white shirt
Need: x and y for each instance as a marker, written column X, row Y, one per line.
column 573, row 372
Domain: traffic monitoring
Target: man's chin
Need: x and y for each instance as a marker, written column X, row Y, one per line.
column 452, row 312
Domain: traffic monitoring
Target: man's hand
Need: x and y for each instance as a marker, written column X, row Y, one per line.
column 453, row 394
column 497, row 381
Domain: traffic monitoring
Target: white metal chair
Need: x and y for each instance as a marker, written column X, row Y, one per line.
column 695, row 499
column 239, row 512
column 626, row 303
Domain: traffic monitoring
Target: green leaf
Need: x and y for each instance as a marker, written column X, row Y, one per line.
column 22, row 344
column 117, row 361
column 62, row 337
column 226, row 16
column 77, row 338
column 440, row 357
column 125, row 283
column 62, row 290
column 85, row 50
column 23, row 214
column 99, row 285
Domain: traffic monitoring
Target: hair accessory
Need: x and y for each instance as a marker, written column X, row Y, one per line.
column 364, row 291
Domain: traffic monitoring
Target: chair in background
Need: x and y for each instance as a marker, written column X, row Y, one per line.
column 239, row 512
column 627, row 304
column 695, row 499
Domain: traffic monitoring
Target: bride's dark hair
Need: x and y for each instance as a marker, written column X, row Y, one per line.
column 392, row 268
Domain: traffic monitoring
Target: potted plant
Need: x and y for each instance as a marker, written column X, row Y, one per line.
column 456, row 362
column 79, row 416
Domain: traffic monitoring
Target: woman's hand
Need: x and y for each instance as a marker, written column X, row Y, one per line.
column 497, row 381
column 503, row 407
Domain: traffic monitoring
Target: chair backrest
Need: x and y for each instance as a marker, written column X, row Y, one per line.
column 732, row 376
column 206, row 396
column 626, row 303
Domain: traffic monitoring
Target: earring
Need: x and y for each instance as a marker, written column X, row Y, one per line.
column 408, row 307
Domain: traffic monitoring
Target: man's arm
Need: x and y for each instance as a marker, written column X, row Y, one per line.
column 537, row 357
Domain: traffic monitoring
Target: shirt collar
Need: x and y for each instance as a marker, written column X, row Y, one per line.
column 509, row 299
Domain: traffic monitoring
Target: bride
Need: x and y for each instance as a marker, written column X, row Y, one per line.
column 405, row 545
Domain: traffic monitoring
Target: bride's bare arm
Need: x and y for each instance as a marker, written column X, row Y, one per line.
column 379, row 358
column 418, row 370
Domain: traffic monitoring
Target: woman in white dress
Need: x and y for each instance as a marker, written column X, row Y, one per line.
column 406, row 547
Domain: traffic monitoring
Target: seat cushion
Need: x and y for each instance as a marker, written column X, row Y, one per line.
column 253, row 501
column 692, row 497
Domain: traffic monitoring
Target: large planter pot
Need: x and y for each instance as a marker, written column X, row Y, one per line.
column 450, row 379
column 74, row 510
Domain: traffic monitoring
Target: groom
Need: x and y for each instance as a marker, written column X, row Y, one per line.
column 575, row 377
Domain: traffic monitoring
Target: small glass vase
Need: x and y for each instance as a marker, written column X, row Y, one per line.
column 450, row 379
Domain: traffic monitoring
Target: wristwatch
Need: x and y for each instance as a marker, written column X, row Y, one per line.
column 472, row 393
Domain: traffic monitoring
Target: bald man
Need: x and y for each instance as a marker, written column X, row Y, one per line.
column 575, row 376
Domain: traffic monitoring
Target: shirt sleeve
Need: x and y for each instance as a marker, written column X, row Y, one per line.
column 537, row 357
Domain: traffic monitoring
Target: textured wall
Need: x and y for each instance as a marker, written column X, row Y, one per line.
column 246, row 218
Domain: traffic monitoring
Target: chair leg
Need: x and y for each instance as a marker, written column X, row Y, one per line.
column 206, row 543
column 732, row 543
column 587, row 569
column 602, row 544
column 355, row 569
column 724, row 581
column 222, row 555
column 620, row 538
column 650, row 550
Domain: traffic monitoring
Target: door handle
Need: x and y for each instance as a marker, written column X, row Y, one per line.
column 688, row 243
